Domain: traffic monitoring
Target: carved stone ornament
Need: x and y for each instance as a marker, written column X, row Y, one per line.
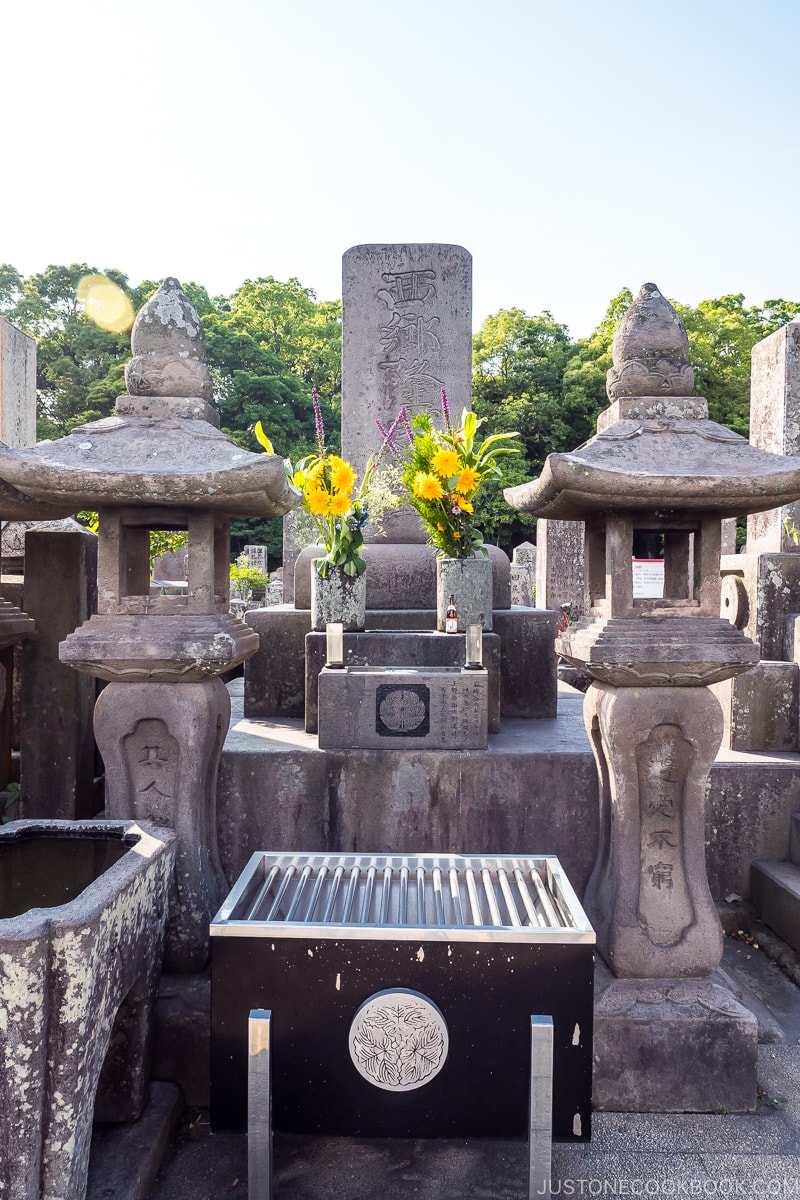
column 398, row 1040
column 650, row 350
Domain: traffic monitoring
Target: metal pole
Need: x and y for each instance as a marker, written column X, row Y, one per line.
column 259, row 1106
column 540, row 1116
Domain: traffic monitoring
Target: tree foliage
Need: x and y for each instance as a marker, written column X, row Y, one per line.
column 270, row 342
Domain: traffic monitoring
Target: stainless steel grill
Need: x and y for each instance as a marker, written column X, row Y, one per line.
column 451, row 897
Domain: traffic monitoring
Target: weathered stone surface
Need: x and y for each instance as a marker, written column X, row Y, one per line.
column 648, row 897
column 560, row 575
column 469, row 582
column 182, row 1035
column 56, row 704
column 401, row 648
column 77, row 979
column 775, row 891
column 122, row 460
column 657, row 651
column 794, row 839
column 379, row 708
column 528, row 679
column 277, row 788
column 337, row 597
column 406, row 334
column 169, row 348
column 158, row 408
column 521, row 586
column 275, row 675
column 650, row 350
column 675, row 1045
column 125, row 1159
column 772, row 586
column 171, row 566
column 728, row 536
column 17, row 386
column 775, row 426
column 161, row 744
column 760, row 708
column 157, row 648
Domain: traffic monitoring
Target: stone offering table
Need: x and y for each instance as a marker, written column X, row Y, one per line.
column 658, row 464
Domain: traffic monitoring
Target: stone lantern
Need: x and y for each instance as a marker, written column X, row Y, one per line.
column 658, row 465
column 161, row 463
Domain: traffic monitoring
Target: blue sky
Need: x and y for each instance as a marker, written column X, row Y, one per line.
column 573, row 148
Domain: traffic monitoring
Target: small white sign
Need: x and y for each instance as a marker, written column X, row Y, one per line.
column 648, row 578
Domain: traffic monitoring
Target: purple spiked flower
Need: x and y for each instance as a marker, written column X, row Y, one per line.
column 318, row 425
column 445, row 410
column 404, row 417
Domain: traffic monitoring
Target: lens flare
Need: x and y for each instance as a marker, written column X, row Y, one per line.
column 105, row 303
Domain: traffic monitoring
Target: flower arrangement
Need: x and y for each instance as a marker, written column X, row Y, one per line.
column 338, row 511
column 443, row 470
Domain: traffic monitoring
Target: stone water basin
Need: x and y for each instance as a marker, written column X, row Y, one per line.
column 83, row 906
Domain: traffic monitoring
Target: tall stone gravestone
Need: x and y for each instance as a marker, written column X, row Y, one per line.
column 17, row 386
column 775, row 426
column 406, row 334
column 560, row 565
column 257, row 557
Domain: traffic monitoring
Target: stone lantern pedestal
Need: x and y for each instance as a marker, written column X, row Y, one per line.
column 669, row 1034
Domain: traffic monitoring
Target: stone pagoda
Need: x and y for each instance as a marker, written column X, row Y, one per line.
column 161, row 463
column 658, row 464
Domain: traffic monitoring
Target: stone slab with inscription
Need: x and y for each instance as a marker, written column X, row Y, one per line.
column 402, row 648
column 403, row 708
column 406, row 334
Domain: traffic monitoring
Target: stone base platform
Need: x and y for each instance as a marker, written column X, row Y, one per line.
column 672, row 1045
column 275, row 676
column 533, row 790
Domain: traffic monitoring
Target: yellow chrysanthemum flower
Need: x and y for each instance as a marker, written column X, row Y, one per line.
column 445, row 463
column 339, row 505
column 342, row 476
column 317, row 501
column 467, row 480
column 463, row 504
column 427, row 486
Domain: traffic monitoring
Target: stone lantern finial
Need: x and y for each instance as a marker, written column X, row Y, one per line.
column 167, row 375
column 650, row 350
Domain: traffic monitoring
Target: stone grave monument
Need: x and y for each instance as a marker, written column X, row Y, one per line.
column 161, row 463
column 658, row 464
column 406, row 333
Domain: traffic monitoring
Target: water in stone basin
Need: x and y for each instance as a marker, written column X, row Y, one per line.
column 43, row 870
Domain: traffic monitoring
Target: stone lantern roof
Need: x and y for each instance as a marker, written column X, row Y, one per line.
column 655, row 448
column 162, row 446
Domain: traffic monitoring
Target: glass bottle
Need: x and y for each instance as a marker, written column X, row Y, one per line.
column 451, row 616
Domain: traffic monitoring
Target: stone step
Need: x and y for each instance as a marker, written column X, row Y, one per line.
column 775, row 891
column 794, row 839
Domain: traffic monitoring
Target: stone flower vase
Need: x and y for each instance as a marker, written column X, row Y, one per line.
column 338, row 597
column 469, row 580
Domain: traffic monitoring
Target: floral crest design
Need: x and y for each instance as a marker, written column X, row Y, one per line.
column 398, row 1040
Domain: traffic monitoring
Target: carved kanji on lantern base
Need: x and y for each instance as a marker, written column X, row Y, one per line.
column 648, row 897
column 163, row 768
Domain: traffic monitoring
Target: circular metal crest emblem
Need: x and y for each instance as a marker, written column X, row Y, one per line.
column 398, row 1040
